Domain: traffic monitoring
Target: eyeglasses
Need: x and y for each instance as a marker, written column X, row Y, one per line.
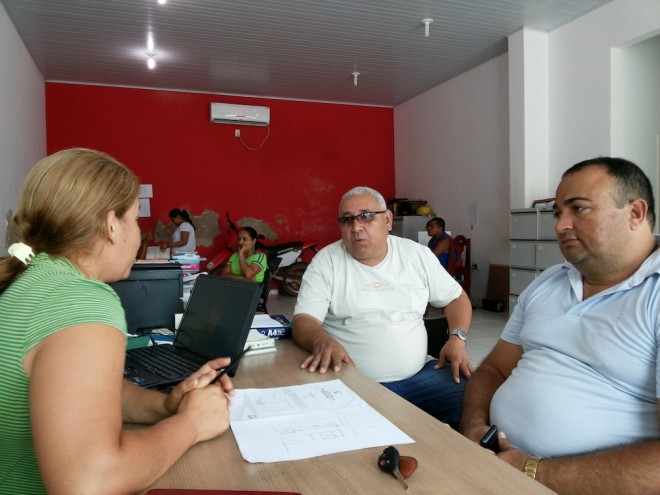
column 365, row 217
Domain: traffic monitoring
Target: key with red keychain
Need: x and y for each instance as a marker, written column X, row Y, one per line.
column 390, row 461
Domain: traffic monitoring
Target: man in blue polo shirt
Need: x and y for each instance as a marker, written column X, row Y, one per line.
column 574, row 381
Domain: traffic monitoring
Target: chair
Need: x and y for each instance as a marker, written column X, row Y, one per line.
column 265, row 291
column 459, row 263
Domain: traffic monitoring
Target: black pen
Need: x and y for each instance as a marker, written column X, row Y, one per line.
column 232, row 366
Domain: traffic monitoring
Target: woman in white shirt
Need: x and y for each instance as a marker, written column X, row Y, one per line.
column 183, row 238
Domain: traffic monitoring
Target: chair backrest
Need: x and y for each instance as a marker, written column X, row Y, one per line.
column 265, row 291
column 459, row 261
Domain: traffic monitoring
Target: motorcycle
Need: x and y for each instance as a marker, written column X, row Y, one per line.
column 283, row 260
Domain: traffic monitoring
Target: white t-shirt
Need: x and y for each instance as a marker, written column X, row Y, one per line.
column 376, row 312
column 191, row 245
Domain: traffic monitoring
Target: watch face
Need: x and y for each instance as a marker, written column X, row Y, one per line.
column 460, row 333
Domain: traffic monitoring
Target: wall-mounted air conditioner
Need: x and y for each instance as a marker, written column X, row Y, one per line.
column 225, row 113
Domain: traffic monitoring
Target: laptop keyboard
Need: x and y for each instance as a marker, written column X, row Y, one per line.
column 162, row 361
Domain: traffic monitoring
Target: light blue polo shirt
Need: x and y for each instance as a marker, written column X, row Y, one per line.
column 589, row 378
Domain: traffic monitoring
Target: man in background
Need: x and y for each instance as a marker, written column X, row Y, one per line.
column 439, row 241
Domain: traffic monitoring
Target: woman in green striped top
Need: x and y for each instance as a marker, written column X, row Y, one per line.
column 63, row 342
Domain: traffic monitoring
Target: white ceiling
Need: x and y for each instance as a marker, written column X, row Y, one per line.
column 298, row 49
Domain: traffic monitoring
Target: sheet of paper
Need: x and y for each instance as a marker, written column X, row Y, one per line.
column 303, row 421
column 265, row 321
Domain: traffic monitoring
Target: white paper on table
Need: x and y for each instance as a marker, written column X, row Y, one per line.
column 303, row 421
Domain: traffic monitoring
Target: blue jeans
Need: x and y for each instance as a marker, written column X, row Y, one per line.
column 433, row 391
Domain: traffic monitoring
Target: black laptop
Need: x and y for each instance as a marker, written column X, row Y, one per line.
column 215, row 324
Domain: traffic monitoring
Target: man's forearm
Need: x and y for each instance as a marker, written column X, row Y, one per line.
column 459, row 312
column 306, row 330
column 476, row 400
column 632, row 470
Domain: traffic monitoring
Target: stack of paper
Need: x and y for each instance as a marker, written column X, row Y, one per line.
column 273, row 326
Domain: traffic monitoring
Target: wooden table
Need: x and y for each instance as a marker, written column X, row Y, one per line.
column 448, row 462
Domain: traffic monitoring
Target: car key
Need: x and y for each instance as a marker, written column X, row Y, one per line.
column 389, row 462
column 490, row 441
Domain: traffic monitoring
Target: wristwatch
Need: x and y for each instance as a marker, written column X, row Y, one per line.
column 531, row 465
column 459, row 332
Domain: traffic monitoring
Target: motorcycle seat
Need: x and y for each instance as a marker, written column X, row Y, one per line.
column 277, row 248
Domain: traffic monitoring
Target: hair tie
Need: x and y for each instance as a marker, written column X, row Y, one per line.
column 22, row 252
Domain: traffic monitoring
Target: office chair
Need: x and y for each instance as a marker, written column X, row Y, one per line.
column 265, row 291
column 459, row 262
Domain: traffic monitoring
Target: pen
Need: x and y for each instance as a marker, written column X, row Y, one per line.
column 232, row 366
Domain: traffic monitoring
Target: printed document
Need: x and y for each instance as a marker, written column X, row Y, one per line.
column 303, row 421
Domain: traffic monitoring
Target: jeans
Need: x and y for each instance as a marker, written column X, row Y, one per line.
column 433, row 391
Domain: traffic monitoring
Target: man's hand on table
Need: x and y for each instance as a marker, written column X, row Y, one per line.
column 326, row 352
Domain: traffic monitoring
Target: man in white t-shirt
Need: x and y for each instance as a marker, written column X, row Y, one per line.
column 362, row 302
column 574, row 381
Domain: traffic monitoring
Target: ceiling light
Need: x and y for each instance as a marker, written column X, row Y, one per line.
column 162, row 2
column 355, row 76
column 427, row 22
column 151, row 60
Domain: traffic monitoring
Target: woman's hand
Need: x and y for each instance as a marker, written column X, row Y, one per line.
column 207, row 411
column 200, row 379
column 246, row 250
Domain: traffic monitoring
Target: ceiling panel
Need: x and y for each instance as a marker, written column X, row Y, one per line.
column 305, row 49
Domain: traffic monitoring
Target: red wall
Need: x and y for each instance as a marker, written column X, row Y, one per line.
column 315, row 153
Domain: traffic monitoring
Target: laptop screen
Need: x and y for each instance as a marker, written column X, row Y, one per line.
column 151, row 295
column 218, row 317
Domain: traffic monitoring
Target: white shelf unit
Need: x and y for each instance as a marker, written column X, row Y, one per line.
column 532, row 248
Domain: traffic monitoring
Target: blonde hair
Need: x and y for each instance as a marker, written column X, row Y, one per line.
column 64, row 203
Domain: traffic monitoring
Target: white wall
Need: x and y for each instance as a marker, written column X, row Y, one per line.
column 451, row 149
column 452, row 142
column 581, row 75
column 636, row 106
column 528, row 118
column 22, row 121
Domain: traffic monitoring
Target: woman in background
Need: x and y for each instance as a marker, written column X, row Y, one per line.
column 183, row 238
column 63, row 343
column 246, row 263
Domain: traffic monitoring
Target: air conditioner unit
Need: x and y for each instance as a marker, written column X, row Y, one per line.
column 224, row 113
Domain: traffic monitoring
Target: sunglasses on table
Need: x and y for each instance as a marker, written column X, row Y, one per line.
column 364, row 217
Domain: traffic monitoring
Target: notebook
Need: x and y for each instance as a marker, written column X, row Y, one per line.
column 215, row 324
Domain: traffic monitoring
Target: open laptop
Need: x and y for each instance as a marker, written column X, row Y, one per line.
column 215, row 324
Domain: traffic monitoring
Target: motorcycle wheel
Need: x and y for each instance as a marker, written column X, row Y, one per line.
column 293, row 277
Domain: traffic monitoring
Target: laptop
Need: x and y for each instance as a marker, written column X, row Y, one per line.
column 215, row 324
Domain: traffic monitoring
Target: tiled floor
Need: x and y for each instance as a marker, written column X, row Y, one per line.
column 484, row 332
